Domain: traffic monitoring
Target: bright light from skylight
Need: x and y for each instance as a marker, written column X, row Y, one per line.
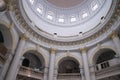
column 32, row 1
column 61, row 20
column 84, row 15
column 73, row 19
column 50, row 17
column 40, row 10
column 94, row 7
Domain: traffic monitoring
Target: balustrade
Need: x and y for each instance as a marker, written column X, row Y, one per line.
column 29, row 72
column 107, row 64
column 69, row 76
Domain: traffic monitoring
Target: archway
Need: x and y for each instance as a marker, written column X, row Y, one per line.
column 6, row 42
column 33, row 60
column 6, row 45
column 68, row 68
column 32, row 66
column 104, row 55
column 103, row 58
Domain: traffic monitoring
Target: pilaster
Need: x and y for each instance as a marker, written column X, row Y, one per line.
column 52, row 64
column 85, row 63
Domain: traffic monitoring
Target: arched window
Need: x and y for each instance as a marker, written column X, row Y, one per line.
column 94, row 5
column 50, row 15
column 61, row 19
column 73, row 18
column 39, row 9
column 32, row 1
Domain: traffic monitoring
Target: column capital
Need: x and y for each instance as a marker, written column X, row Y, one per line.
column 83, row 50
column 114, row 34
column 53, row 50
column 23, row 37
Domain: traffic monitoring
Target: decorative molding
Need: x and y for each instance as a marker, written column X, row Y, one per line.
column 83, row 50
column 23, row 37
column 114, row 34
column 37, row 37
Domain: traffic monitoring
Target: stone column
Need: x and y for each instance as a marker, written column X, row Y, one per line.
column 116, row 41
column 55, row 73
column 92, row 72
column 51, row 64
column 82, row 74
column 45, row 73
column 85, row 63
column 7, row 63
column 16, row 60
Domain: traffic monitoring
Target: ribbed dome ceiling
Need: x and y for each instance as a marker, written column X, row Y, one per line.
column 81, row 17
column 47, row 24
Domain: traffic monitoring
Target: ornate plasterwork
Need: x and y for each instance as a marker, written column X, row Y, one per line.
column 34, row 36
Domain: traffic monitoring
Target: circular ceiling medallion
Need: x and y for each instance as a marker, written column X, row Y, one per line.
column 65, row 3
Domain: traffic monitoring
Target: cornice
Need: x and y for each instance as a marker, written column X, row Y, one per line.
column 34, row 35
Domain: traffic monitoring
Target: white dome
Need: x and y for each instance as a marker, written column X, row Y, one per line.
column 67, row 22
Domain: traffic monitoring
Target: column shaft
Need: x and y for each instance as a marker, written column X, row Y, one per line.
column 6, row 66
column 82, row 74
column 45, row 73
column 92, row 71
column 85, row 64
column 55, row 73
column 15, row 63
column 51, row 67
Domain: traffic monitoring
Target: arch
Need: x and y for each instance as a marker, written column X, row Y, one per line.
column 68, row 65
column 105, row 54
column 35, row 60
column 96, row 53
column 39, row 52
column 79, row 60
column 8, row 34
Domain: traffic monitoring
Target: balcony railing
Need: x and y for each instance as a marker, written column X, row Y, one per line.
column 29, row 72
column 107, row 64
column 69, row 76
